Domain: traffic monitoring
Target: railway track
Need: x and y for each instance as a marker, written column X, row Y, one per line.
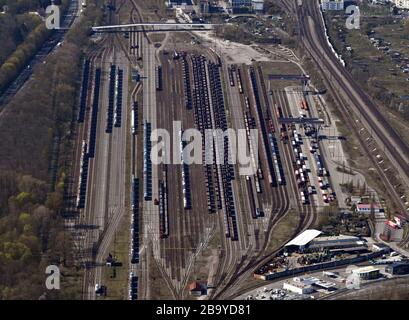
column 311, row 23
column 307, row 219
column 311, row 9
column 230, row 266
column 87, row 215
column 314, row 39
column 310, row 213
column 175, row 257
column 280, row 199
column 237, row 273
column 137, row 171
column 232, row 249
column 111, row 208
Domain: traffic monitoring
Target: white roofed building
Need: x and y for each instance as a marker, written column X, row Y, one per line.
column 367, row 273
column 298, row 287
column 303, row 239
column 238, row 6
column 311, row 239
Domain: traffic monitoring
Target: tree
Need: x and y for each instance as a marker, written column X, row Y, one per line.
column 32, row 233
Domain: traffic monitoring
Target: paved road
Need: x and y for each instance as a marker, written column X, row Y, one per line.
column 49, row 46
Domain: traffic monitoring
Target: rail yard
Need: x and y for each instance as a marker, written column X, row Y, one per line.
column 205, row 221
column 192, row 202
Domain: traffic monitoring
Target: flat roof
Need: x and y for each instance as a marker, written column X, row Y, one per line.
column 303, row 238
column 297, row 284
column 365, row 269
column 325, row 284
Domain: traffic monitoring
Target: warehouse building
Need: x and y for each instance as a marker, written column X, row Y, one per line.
column 311, row 240
column 337, row 241
column 298, row 287
column 238, row 5
column 303, row 239
column 246, row 6
column 333, row 242
column 398, row 268
column 367, row 273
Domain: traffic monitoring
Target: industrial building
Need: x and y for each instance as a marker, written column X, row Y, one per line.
column 303, row 239
column 398, row 268
column 392, row 231
column 311, row 240
column 332, row 5
column 307, row 285
column 340, row 241
column 244, row 6
column 238, row 5
column 179, row 3
column 298, row 287
column 367, row 273
column 367, row 208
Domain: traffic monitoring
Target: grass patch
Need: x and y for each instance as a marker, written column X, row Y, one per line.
column 158, row 287
column 153, row 10
column 284, row 230
column 116, row 278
